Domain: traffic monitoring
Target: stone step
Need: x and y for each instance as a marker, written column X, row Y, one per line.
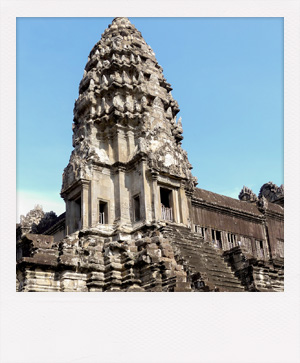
column 224, row 286
column 204, row 258
column 221, row 282
column 229, row 277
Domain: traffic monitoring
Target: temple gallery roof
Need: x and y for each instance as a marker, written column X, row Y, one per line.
column 227, row 202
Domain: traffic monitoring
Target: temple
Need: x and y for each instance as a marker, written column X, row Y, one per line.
column 135, row 220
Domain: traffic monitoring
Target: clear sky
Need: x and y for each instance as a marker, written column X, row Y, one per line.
column 226, row 74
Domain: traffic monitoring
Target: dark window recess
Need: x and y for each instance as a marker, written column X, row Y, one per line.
column 77, row 214
column 78, row 207
column 231, row 239
column 165, row 197
column 201, row 230
column 216, row 238
column 166, row 207
column 136, row 208
column 260, row 249
column 103, row 212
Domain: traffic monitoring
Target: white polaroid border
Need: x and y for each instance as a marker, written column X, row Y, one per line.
column 143, row 327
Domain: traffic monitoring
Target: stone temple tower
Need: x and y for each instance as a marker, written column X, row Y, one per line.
column 134, row 219
column 127, row 169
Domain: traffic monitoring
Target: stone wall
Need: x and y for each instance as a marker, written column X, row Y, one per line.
column 87, row 261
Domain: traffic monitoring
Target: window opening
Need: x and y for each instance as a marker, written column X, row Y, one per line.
column 136, row 208
column 200, row 230
column 166, row 209
column 103, row 212
column 216, row 238
column 260, row 249
column 78, row 214
column 231, row 240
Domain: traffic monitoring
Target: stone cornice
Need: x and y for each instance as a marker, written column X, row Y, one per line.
column 274, row 215
column 74, row 185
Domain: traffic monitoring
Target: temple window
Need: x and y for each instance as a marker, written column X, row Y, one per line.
column 231, row 240
column 166, row 204
column 216, row 238
column 136, row 208
column 201, row 230
column 260, row 249
column 77, row 206
column 103, row 212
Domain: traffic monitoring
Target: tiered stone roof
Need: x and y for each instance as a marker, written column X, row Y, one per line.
column 123, row 88
column 123, row 73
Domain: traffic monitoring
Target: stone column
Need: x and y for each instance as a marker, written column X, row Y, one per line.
column 67, row 231
column 93, row 205
column 155, row 199
column 130, row 142
column 187, row 210
column 176, row 213
column 183, row 207
column 121, row 146
column 121, row 197
column 117, row 193
column 143, row 191
column 85, row 203
column 110, row 151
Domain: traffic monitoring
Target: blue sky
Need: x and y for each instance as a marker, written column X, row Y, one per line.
column 226, row 74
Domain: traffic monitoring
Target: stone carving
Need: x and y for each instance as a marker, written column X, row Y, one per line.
column 36, row 221
column 272, row 193
column 262, row 203
column 29, row 222
column 247, row 195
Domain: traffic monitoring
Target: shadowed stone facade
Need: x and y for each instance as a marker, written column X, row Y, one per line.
column 134, row 219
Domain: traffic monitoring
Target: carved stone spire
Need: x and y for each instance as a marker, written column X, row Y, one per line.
column 125, row 111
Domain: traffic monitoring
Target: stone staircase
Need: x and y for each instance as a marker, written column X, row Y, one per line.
column 256, row 274
column 204, row 259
